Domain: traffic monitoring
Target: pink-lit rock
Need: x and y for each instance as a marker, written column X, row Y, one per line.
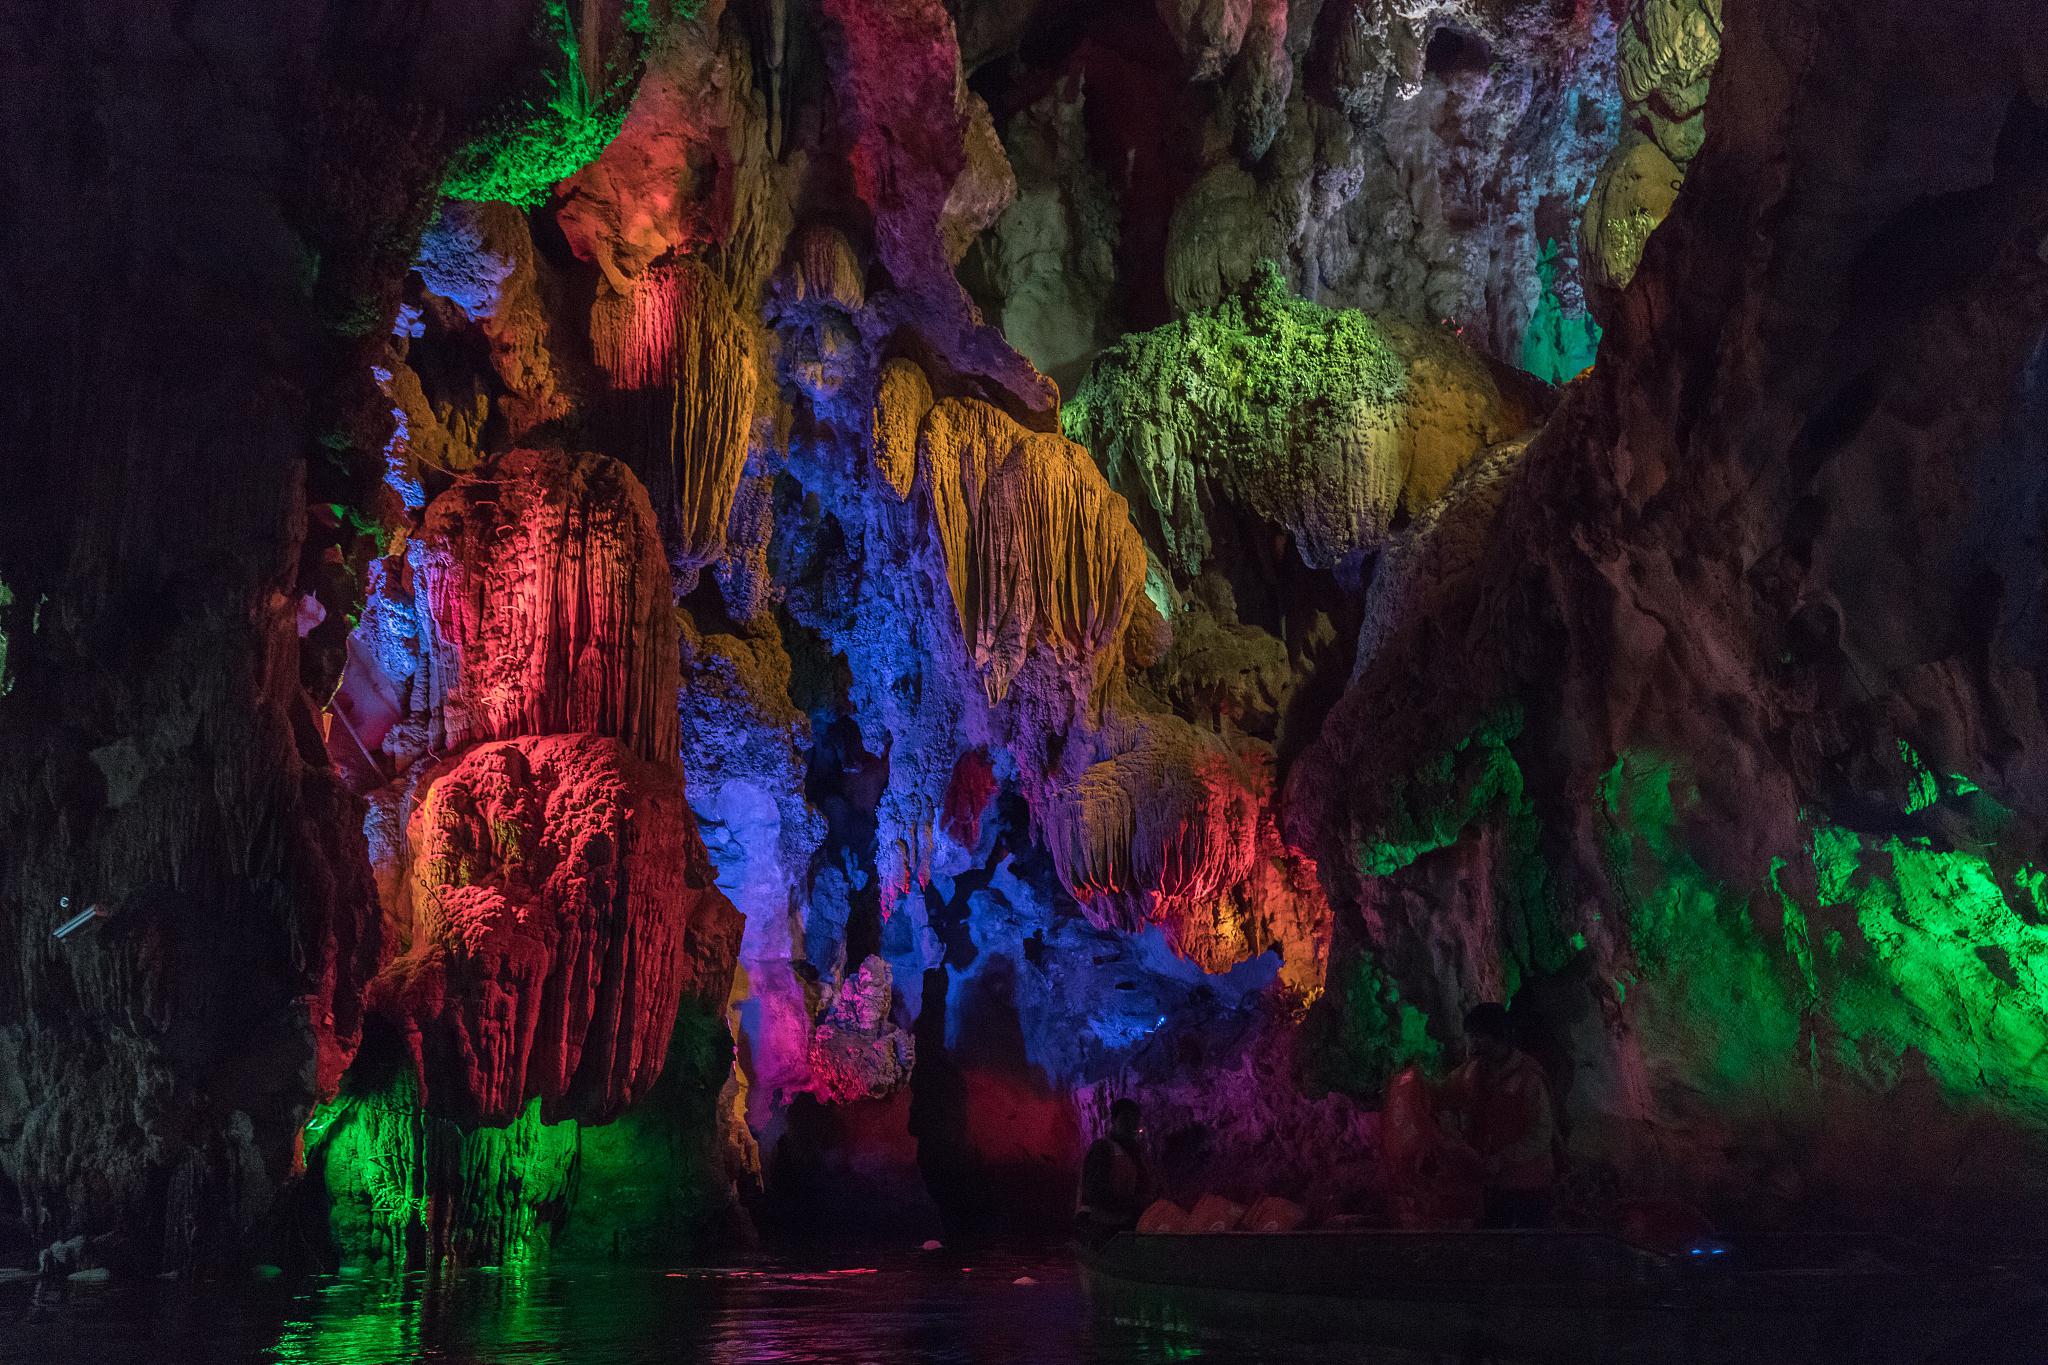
column 856, row 1052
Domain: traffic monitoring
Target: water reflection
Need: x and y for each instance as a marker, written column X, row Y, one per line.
column 906, row 1311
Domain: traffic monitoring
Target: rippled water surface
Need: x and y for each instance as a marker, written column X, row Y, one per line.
column 899, row 1311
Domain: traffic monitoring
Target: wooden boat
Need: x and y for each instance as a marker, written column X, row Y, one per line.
column 1563, row 1296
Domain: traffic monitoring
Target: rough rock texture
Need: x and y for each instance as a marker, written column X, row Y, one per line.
column 917, row 160
column 1741, row 682
column 546, row 606
column 168, row 393
column 1667, row 51
column 1218, row 744
column 1412, row 160
column 1176, row 831
column 856, row 1051
column 650, row 1183
column 560, row 906
column 1240, row 1125
column 901, row 402
column 1326, row 424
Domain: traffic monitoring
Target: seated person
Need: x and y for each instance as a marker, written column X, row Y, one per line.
column 1116, row 1184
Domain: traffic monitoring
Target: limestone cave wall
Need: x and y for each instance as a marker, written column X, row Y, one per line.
column 649, row 616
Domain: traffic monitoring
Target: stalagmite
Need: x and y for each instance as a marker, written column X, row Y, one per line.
column 559, row 907
column 547, row 606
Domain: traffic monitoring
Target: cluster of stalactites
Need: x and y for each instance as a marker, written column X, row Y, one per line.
column 1173, row 820
column 682, row 358
column 1175, row 833
column 547, row 605
column 1330, row 423
column 1038, row 550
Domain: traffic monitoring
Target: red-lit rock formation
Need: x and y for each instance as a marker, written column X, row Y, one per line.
column 922, row 167
column 666, row 185
column 545, row 606
column 559, row 907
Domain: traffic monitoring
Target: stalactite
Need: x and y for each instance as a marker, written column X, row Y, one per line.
column 1173, row 821
column 1177, row 831
column 547, row 606
column 682, row 361
column 823, row 268
column 901, row 402
column 1037, row 548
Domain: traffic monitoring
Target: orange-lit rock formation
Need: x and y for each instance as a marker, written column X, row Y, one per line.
column 681, row 361
column 1038, row 550
column 905, row 396
column 1177, row 831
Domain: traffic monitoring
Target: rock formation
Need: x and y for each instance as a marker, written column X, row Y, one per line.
column 742, row 604
column 545, row 606
column 1716, row 728
column 560, row 906
column 1668, row 49
column 682, row 366
column 1039, row 553
column 1323, row 423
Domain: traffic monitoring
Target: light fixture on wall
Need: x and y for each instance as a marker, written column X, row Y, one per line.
column 77, row 922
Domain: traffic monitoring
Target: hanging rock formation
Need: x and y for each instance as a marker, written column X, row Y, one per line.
column 901, row 402
column 1038, row 551
column 1327, row 424
column 681, row 363
column 545, row 606
column 1413, row 160
column 1177, row 831
column 1219, row 739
